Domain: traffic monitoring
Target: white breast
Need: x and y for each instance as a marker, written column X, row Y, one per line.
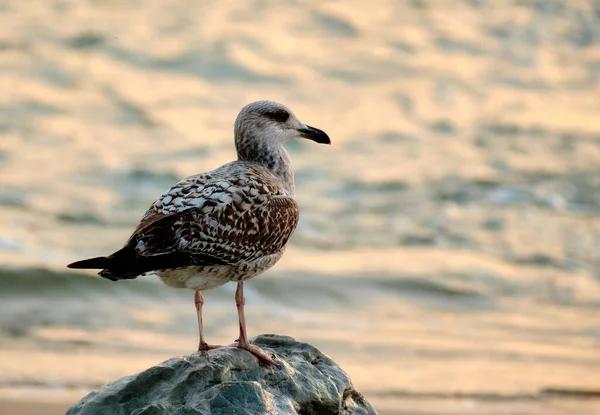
column 206, row 278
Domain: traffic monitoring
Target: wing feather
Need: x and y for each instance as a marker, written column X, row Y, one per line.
column 232, row 219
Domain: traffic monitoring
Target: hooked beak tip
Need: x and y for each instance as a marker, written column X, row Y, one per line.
column 314, row 134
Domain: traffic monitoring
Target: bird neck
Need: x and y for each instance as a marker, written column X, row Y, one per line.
column 273, row 157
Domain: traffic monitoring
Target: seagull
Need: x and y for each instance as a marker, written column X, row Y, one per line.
column 230, row 224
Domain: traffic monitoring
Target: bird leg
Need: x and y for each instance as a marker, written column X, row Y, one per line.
column 202, row 345
column 243, row 342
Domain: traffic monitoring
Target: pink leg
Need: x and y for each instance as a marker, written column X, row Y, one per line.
column 199, row 300
column 243, row 342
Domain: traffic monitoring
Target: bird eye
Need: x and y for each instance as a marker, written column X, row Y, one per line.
column 278, row 115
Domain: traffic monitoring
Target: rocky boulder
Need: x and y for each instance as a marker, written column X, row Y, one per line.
column 230, row 381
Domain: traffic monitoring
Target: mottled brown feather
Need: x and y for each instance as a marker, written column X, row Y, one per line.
column 237, row 213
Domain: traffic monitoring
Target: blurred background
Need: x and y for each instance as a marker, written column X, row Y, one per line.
column 448, row 251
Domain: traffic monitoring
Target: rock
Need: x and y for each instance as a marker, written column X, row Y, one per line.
column 230, row 381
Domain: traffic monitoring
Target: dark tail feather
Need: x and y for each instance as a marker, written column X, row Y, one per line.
column 117, row 266
column 125, row 264
column 119, row 274
column 100, row 262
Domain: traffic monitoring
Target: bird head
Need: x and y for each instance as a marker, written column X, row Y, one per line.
column 273, row 123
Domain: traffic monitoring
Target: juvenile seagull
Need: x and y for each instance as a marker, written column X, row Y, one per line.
column 230, row 224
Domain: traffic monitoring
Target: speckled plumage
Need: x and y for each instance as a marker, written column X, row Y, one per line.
column 240, row 214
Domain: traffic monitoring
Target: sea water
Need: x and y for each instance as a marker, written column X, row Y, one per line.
column 449, row 240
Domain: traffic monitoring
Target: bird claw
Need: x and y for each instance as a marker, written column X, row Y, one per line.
column 259, row 353
column 205, row 346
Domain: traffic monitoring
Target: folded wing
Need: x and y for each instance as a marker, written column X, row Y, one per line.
column 207, row 220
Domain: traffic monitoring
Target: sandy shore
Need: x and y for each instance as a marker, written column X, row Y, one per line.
column 14, row 407
column 26, row 401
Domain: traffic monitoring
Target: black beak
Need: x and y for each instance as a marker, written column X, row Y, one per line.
column 314, row 134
